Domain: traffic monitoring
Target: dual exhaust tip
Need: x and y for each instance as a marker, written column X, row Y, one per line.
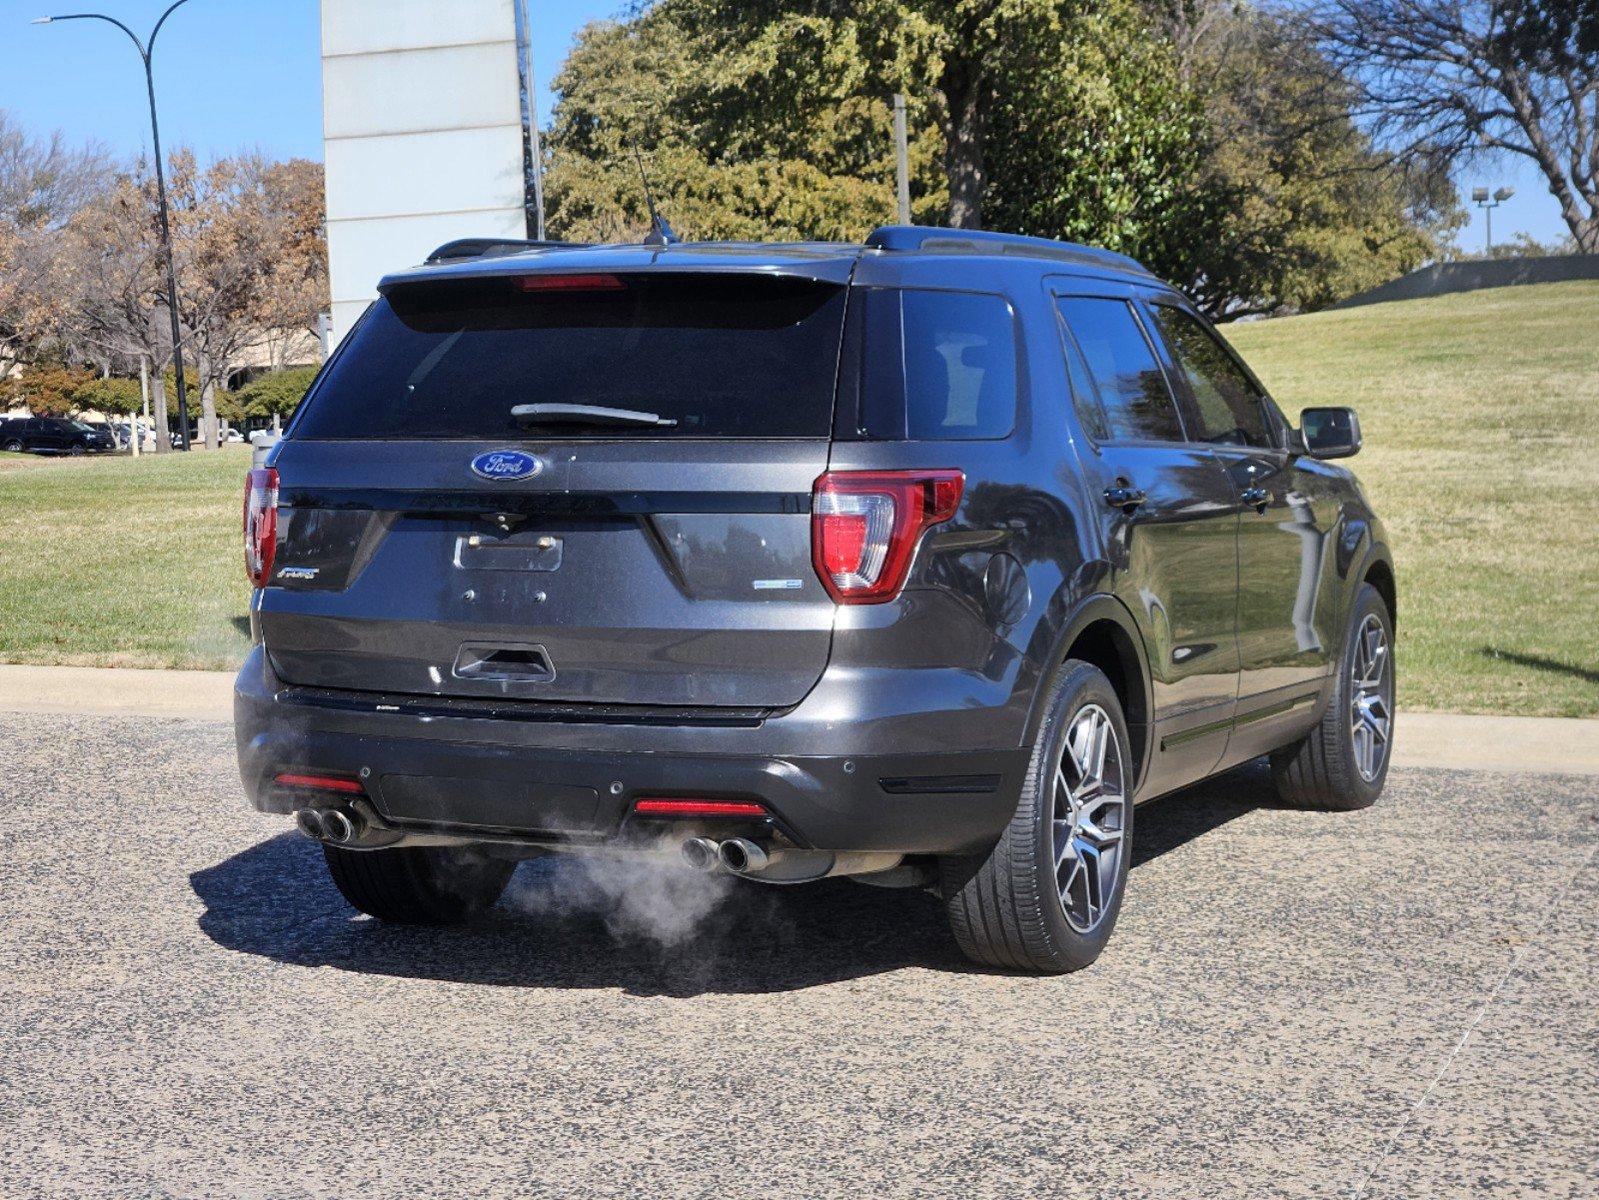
column 738, row 855
column 337, row 825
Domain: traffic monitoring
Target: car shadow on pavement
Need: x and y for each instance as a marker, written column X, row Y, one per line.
column 557, row 929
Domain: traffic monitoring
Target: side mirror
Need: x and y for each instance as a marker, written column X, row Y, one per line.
column 1330, row 432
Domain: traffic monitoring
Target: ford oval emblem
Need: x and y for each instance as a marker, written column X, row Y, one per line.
column 506, row 464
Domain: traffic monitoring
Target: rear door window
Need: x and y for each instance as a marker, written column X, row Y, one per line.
column 937, row 366
column 1137, row 404
column 1228, row 404
column 742, row 356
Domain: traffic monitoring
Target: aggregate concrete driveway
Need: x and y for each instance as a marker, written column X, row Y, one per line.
column 1399, row 1003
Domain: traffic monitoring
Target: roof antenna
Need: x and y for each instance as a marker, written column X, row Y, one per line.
column 660, row 232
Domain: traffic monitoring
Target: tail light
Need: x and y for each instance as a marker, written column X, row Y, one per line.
column 865, row 526
column 260, row 523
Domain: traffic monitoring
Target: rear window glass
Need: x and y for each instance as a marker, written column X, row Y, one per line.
column 721, row 356
column 937, row 366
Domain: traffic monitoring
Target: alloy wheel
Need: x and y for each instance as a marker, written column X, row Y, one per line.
column 1370, row 698
column 1089, row 819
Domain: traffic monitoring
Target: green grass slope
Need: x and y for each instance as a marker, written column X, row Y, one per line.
column 1481, row 420
column 124, row 562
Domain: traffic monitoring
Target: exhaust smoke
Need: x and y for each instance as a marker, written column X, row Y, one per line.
column 641, row 894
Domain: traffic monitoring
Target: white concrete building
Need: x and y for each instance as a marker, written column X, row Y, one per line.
column 424, row 137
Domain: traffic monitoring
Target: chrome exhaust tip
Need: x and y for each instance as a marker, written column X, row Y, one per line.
column 337, row 827
column 742, row 856
column 309, row 822
column 701, row 854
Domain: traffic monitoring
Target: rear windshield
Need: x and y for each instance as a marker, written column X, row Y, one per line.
column 748, row 356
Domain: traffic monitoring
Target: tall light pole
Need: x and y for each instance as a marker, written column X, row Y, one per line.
column 145, row 50
column 1479, row 197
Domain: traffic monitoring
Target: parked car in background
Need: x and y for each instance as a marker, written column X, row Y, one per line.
column 55, row 435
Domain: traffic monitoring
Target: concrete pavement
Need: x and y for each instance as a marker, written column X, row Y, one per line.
column 1391, row 1003
column 1480, row 743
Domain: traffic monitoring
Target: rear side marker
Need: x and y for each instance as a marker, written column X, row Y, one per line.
column 698, row 808
column 321, row 783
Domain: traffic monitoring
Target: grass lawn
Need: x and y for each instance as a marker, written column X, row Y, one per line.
column 1482, row 454
column 123, row 562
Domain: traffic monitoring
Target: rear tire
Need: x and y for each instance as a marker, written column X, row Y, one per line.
column 1046, row 897
column 1342, row 764
column 418, row 885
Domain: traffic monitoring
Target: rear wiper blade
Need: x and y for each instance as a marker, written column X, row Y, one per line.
column 587, row 414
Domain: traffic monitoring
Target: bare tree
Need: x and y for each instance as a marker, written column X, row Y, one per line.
column 43, row 182
column 247, row 235
column 1473, row 77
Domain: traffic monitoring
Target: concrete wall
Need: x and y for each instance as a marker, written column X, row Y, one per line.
column 1443, row 278
column 422, row 132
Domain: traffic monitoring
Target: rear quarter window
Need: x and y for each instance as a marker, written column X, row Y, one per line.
column 936, row 365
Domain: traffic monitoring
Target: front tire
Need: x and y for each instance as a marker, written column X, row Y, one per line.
column 1342, row 764
column 14, row 447
column 1046, row 897
column 418, row 885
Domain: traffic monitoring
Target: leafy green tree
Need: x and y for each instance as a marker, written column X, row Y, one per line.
column 1099, row 139
column 1212, row 142
column 110, row 395
column 1309, row 209
column 276, row 394
column 753, row 124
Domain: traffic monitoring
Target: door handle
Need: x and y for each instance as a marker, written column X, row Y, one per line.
column 1125, row 497
column 1256, row 497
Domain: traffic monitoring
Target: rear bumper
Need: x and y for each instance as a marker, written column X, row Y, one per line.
column 561, row 783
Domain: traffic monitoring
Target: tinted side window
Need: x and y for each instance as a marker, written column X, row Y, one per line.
column 1230, row 409
column 936, row 366
column 1132, row 390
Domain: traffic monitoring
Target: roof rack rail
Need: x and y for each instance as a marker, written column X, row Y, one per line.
column 929, row 240
column 483, row 247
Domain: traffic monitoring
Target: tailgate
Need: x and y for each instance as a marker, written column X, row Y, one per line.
column 622, row 573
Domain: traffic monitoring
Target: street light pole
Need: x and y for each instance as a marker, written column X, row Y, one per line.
column 146, row 49
column 1479, row 197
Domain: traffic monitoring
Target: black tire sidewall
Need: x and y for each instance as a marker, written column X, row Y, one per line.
column 1368, row 601
column 1081, row 684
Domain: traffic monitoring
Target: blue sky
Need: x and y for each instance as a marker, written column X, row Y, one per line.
column 234, row 74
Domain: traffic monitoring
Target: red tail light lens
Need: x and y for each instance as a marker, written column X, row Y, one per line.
column 260, row 523
column 865, row 526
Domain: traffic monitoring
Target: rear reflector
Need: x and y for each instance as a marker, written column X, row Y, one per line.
column 865, row 526
column 325, row 783
column 698, row 808
column 570, row 283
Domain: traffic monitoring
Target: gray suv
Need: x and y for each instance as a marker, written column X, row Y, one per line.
column 920, row 561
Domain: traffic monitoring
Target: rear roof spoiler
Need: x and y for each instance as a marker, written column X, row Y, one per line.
column 465, row 248
column 928, row 240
